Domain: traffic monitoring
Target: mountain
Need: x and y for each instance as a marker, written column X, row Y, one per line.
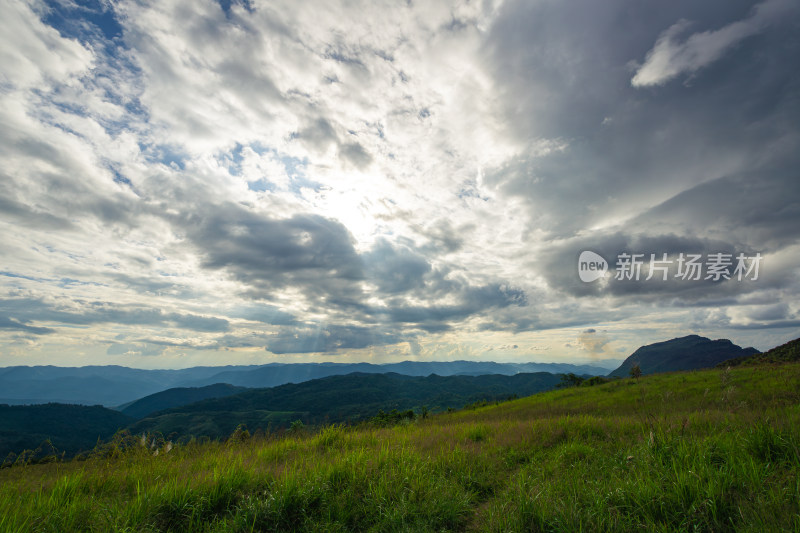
column 275, row 374
column 70, row 428
column 784, row 353
column 684, row 353
column 116, row 385
column 176, row 397
column 92, row 385
column 349, row 398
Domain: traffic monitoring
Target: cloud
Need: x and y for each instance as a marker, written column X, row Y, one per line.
column 11, row 324
column 561, row 271
column 265, row 313
column 329, row 339
column 135, row 349
column 85, row 313
column 561, row 86
column 415, row 347
column 328, row 178
column 306, row 252
column 670, row 57
column 318, row 135
column 396, row 269
column 355, row 154
column 592, row 341
column 443, row 237
column 36, row 53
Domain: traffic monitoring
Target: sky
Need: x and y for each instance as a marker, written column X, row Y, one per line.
column 200, row 182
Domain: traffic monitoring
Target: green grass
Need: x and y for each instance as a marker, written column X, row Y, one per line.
column 703, row 451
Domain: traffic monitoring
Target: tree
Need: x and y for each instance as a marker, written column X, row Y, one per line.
column 240, row 434
column 570, row 380
column 636, row 371
column 594, row 380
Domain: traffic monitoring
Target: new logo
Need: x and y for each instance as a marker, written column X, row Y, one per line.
column 591, row 266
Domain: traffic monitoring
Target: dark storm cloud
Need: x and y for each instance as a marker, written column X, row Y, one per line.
column 676, row 53
column 401, row 272
column 758, row 209
column 309, row 252
column 316, row 256
column 750, row 303
column 471, row 300
column 396, row 269
column 773, row 312
column 617, row 148
column 680, row 134
column 756, row 212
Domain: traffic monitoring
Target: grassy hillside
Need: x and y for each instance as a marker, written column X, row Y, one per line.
column 335, row 399
column 713, row 450
column 784, row 353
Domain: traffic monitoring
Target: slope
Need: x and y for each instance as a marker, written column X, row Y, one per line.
column 176, row 397
column 70, row 428
column 785, row 353
column 693, row 451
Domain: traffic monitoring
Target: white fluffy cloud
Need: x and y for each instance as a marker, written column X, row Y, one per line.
column 33, row 52
column 670, row 56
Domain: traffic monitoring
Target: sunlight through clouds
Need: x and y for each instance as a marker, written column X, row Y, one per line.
column 193, row 182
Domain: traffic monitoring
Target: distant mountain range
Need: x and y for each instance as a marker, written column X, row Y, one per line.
column 93, row 385
column 117, row 385
column 334, row 399
column 685, row 353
